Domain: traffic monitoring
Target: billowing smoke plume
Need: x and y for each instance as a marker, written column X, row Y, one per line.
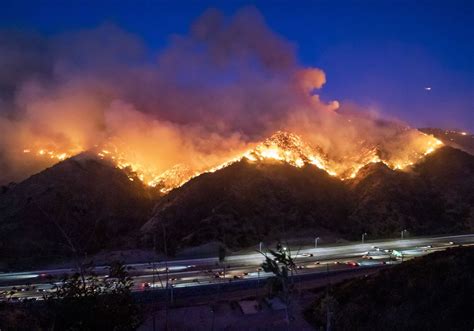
column 206, row 97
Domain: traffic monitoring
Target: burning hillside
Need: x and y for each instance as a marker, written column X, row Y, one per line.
column 281, row 146
column 291, row 148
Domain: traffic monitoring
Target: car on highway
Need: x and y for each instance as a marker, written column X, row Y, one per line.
column 306, row 254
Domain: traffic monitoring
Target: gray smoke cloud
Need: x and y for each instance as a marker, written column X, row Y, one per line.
column 208, row 95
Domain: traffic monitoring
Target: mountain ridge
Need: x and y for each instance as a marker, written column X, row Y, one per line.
column 99, row 206
column 77, row 206
column 381, row 201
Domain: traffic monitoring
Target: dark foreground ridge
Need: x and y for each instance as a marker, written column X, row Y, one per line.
column 429, row 293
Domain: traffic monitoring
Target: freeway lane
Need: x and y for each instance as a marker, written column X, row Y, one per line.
column 256, row 258
column 244, row 267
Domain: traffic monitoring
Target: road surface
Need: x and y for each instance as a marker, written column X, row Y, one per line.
column 241, row 268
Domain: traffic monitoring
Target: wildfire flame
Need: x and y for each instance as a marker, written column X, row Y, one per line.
column 281, row 146
column 51, row 153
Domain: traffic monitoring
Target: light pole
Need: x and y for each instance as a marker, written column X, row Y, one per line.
column 316, row 242
column 402, row 233
column 258, row 282
column 363, row 236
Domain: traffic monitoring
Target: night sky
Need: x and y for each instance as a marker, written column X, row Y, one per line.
column 380, row 55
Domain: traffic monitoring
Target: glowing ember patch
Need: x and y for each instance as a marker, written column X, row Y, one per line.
column 250, row 157
column 270, row 154
column 316, row 162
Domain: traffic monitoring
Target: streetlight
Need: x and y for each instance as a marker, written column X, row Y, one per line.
column 363, row 236
column 316, row 242
column 402, row 233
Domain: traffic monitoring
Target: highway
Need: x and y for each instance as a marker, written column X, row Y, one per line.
column 241, row 268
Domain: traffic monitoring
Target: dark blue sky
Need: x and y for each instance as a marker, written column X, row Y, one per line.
column 377, row 54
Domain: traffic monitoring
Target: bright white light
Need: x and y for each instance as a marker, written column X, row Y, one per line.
column 428, row 88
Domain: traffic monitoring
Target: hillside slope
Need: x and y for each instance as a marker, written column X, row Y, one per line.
column 77, row 206
column 248, row 202
column 430, row 293
column 435, row 196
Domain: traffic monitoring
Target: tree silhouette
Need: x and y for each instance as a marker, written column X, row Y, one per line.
column 94, row 303
column 281, row 264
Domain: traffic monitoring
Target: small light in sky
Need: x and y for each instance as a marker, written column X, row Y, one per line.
column 428, row 88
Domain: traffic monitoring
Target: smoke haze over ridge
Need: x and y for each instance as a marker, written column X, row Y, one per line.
column 206, row 97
